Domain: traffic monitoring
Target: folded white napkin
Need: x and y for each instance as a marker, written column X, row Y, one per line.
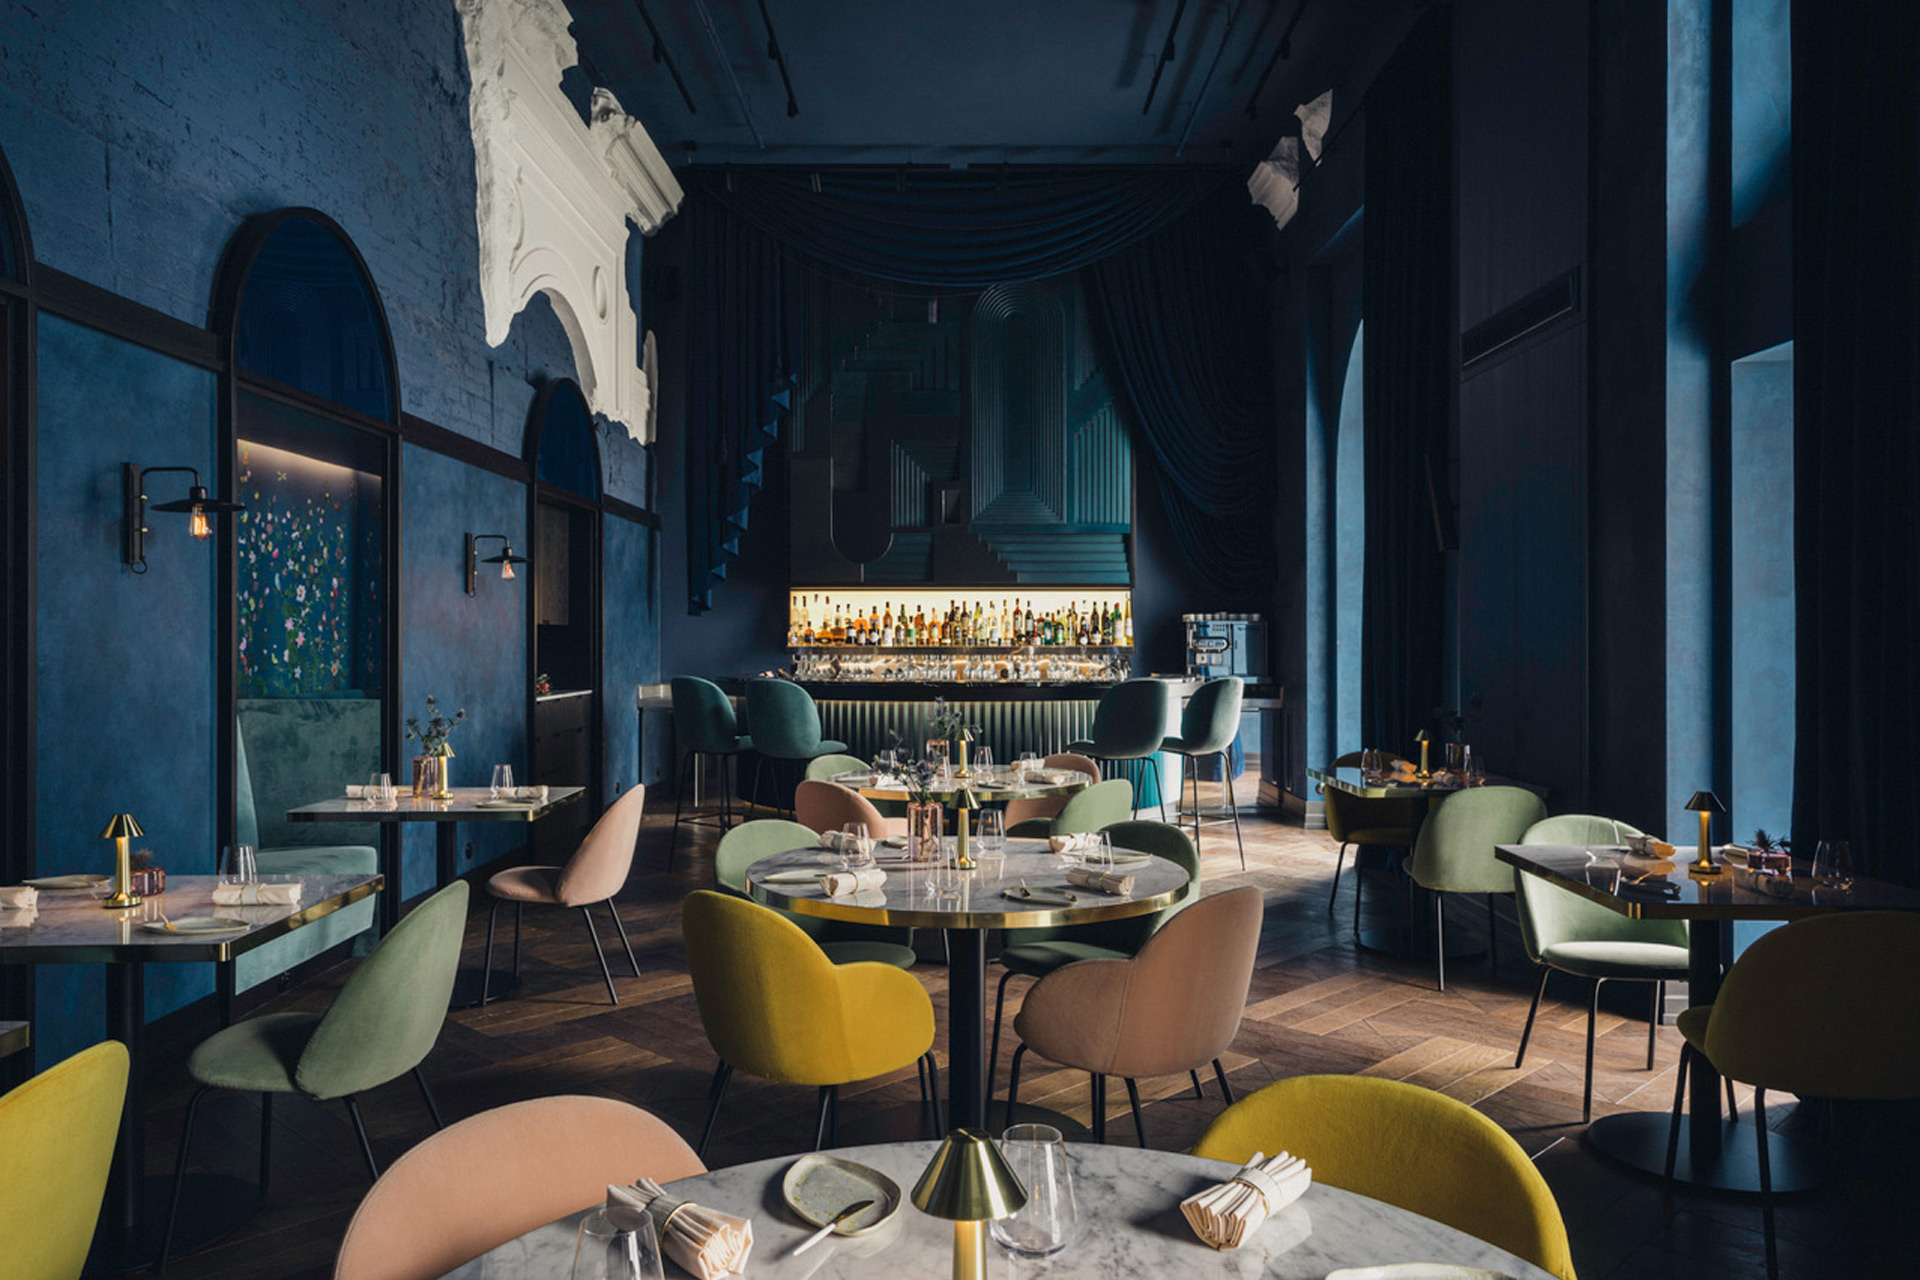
column 1225, row 1215
column 1774, row 886
column 1649, row 846
column 708, row 1243
column 890, row 781
column 536, row 794
column 1061, row 844
column 1641, row 865
column 834, row 839
column 1100, row 881
column 19, row 897
column 256, row 895
column 838, row 884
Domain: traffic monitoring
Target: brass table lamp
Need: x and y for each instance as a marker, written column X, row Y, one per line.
column 969, row 1184
column 1706, row 804
column 121, row 828
column 1422, row 739
column 964, row 802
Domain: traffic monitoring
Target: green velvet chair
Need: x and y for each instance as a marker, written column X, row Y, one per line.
column 380, row 1027
column 1208, row 725
column 1824, row 1008
column 1091, row 809
column 786, row 728
column 1036, row 953
column 1562, row 930
column 844, row 942
column 1454, row 854
column 704, row 725
column 56, row 1134
column 1366, row 824
column 1129, row 724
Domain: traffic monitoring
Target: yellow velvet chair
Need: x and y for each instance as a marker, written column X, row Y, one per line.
column 56, row 1143
column 775, row 1006
column 1405, row 1145
column 1824, row 1008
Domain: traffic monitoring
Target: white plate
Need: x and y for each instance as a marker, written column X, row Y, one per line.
column 1417, row 1271
column 79, row 880
column 196, row 925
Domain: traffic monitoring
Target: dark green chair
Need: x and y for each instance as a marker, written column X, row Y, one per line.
column 1128, row 726
column 380, row 1027
column 1564, row 931
column 844, row 943
column 1038, row 952
column 1092, row 809
column 786, row 727
column 1208, row 725
column 1454, row 854
column 704, row 724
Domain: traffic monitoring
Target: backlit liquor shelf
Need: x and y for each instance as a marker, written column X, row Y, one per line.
column 973, row 620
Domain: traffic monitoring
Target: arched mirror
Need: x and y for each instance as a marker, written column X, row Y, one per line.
column 310, row 406
column 563, row 595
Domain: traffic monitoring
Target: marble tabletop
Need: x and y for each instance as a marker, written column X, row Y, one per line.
column 990, row 784
column 1594, row 872
column 71, row 926
column 934, row 896
column 1130, row 1225
column 14, row 1036
column 466, row 804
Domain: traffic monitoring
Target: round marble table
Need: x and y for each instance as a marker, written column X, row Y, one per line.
column 967, row 904
column 1130, row 1225
column 989, row 785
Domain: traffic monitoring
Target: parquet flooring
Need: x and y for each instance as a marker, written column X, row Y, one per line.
column 1317, row 1004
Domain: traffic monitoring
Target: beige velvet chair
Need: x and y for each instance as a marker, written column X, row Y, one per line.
column 596, row 871
column 500, row 1174
column 828, row 806
column 1019, row 811
column 1169, row 1010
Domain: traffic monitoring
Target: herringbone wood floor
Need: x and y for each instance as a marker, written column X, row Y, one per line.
column 1317, row 1004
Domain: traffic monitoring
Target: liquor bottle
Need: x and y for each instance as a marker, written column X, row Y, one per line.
column 1083, row 633
column 1126, row 624
column 919, row 624
column 1003, row 630
column 886, row 625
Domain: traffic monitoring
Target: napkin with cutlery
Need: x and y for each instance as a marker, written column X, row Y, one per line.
column 1100, row 881
column 1224, row 1215
column 257, row 895
column 708, row 1243
column 838, row 884
column 1064, row 844
column 19, row 897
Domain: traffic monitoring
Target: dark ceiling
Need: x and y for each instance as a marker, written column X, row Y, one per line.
column 973, row 81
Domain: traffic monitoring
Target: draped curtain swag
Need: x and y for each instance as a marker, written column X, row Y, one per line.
column 1856, row 337
column 1198, row 389
column 1408, row 382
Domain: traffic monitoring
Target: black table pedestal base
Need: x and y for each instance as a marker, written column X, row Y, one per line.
column 1638, row 1139
column 467, row 983
column 212, row 1207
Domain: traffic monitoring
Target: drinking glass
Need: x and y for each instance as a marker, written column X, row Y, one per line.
column 603, row 1253
column 502, row 781
column 1027, row 765
column 983, row 760
column 1456, row 761
column 856, row 846
column 1369, row 764
column 380, row 792
column 1833, row 864
column 237, row 865
column 1102, row 855
column 1037, row 1154
column 993, row 832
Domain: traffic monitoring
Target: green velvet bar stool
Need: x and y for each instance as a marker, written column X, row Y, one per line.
column 1038, row 952
column 843, row 941
column 1208, row 725
column 786, row 726
column 380, row 1027
column 704, row 722
column 1562, row 930
column 1129, row 724
column 1454, row 854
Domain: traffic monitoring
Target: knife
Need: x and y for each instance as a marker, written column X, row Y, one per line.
column 857, row 1206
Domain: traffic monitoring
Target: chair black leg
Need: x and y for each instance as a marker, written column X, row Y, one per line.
column 1653, row 1018
column 1359, row 883
column 1139, row 1120
column 1220, row 1074
column 933, row 1092
column 1673, row 1129
column 622, row 928
column 1013, row 1080
column 486, row 958
column 1338, row 864
column 1233, row 806
column 715, row 1092
column 1533, row 1009
column 266, row 1143
column 179, row 1175
column 519, row 913
column 999, row 1007
column 1733, row 1108
column 1160, row 787
column 759, row 765
column 1766, row 1180
column 679, row 799
column 1099, row 1107
column 824, row 1126
column 1439, row 941
column 360, row 1129
column 605, row 972
column 727, row 789
column 1190, row 765
column 1493, row 941
column 1198, row 1092
column 433, row 1108
column 1593, row 1016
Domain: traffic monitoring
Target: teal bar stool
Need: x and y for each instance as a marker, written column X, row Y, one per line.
column 786, row 726
column 1129, row 725
column 1208, row 726
column 1564, row 931
column 704, row 722
column 1454, row 854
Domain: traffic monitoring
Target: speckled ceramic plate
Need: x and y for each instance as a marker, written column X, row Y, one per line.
column 80, row 880
column 818, row 1187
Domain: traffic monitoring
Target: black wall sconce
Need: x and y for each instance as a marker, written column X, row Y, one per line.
column 506, row 559
column 198, row 506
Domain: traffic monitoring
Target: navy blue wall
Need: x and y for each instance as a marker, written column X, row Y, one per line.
column 140, row 143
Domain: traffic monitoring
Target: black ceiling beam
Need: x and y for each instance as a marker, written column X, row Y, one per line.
column 780, row 59
column 1199, row 99
column 720, row 50
column 660, row 54
column 1280, row 51
column 1166, row 56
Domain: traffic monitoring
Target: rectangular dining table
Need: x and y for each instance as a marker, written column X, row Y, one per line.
column 1709, row 1156
column 14, row 1037
column 72, row 927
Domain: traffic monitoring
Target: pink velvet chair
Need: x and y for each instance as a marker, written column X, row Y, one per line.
column 596, row 871
column 498, row 1175
column 1169, row 1010
column 828, row 806
column 1019, row 811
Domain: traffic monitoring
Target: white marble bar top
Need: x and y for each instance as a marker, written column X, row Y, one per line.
column 1130, row 1225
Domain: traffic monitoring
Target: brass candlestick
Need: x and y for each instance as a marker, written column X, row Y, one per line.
column 1706, row 804
column 1421, row 738
column 122, row 828
column 964, row 801
column 969, row 1184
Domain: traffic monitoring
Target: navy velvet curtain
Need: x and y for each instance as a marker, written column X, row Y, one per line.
column 1408, row 381
column 1856, row 337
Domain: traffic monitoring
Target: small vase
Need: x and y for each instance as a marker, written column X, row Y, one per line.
column 443, row 782
column 923, row 831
